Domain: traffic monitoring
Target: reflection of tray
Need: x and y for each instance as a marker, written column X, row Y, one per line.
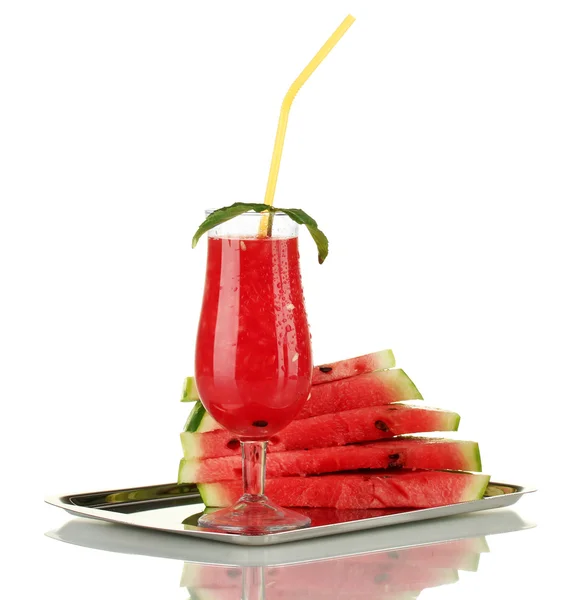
column 167, row 507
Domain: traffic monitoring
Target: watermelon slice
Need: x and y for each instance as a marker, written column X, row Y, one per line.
column 377, row 489
column 342, row 369
column 407, row 453
column 335, row 429
column 384, row 359
column 369, row 389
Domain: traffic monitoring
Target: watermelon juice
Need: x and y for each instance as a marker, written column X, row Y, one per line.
column 253, row 364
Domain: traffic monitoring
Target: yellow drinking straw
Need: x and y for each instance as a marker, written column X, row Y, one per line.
column 265, row 224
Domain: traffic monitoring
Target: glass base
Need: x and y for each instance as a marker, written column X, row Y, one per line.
column 253, row 515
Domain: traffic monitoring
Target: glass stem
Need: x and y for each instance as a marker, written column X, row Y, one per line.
column 253, row 586
column 254, row 469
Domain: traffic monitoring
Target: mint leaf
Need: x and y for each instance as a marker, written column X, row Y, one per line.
column 298, row 215
column 222, row 215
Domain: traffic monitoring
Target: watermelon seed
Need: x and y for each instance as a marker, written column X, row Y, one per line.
column 394, row 462
column 380, row 578
column 382, row 425
column 325, row 369
column 233, row 444
column 233, row 573
column 260, row 423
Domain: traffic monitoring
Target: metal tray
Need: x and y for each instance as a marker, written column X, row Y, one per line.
column 175, row 508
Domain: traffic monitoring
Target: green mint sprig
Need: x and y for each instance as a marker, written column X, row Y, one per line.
column 221, row 215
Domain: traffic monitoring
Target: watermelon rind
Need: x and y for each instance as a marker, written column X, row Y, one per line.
column 407, row 387
column 195, row 417
column 190, row 392
column 473, row 455
column 200, row 421
column 211, row 494
column 386, row 359
column 476, row 488
column 191, row 444
column 185, row 470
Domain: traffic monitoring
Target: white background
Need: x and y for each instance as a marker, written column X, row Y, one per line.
column 440, row 146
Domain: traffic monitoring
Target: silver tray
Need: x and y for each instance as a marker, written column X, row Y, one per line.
column 175, row 508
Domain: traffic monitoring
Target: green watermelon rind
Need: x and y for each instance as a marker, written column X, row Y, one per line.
column 190, row 392
column 386, row 359
column 195, row 417
column 473, row 455
column 209, row 495
column 191, row 444
column 407, row 386
column 200, row 421
column 476, row 489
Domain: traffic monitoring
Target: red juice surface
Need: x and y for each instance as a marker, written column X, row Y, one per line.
column 253, row 361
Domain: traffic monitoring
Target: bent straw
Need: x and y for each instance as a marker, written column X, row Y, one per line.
column 266, row 222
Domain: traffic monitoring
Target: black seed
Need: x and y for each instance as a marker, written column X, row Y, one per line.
column 233, row 444
column 260, row 423
column 380, row 578
column 325, row 369
column 393, row 554
column 232, row 573
column 395, row 461
column 381, row 425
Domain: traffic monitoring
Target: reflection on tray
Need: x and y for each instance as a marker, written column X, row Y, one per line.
column 318, row 516
column 383, row 574
column 434, row 534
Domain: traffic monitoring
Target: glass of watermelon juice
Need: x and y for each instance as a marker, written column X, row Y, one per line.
column 253, row 358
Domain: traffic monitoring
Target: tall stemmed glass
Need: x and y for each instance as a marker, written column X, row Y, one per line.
column 253, row 362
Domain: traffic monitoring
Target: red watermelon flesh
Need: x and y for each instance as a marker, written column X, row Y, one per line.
column 335, row 429
column 353, row 366
column 408, row 453
column 369, row 389
column 376, row 489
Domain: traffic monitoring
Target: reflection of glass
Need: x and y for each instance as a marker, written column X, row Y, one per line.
column 253, row 364
column 402, row 573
